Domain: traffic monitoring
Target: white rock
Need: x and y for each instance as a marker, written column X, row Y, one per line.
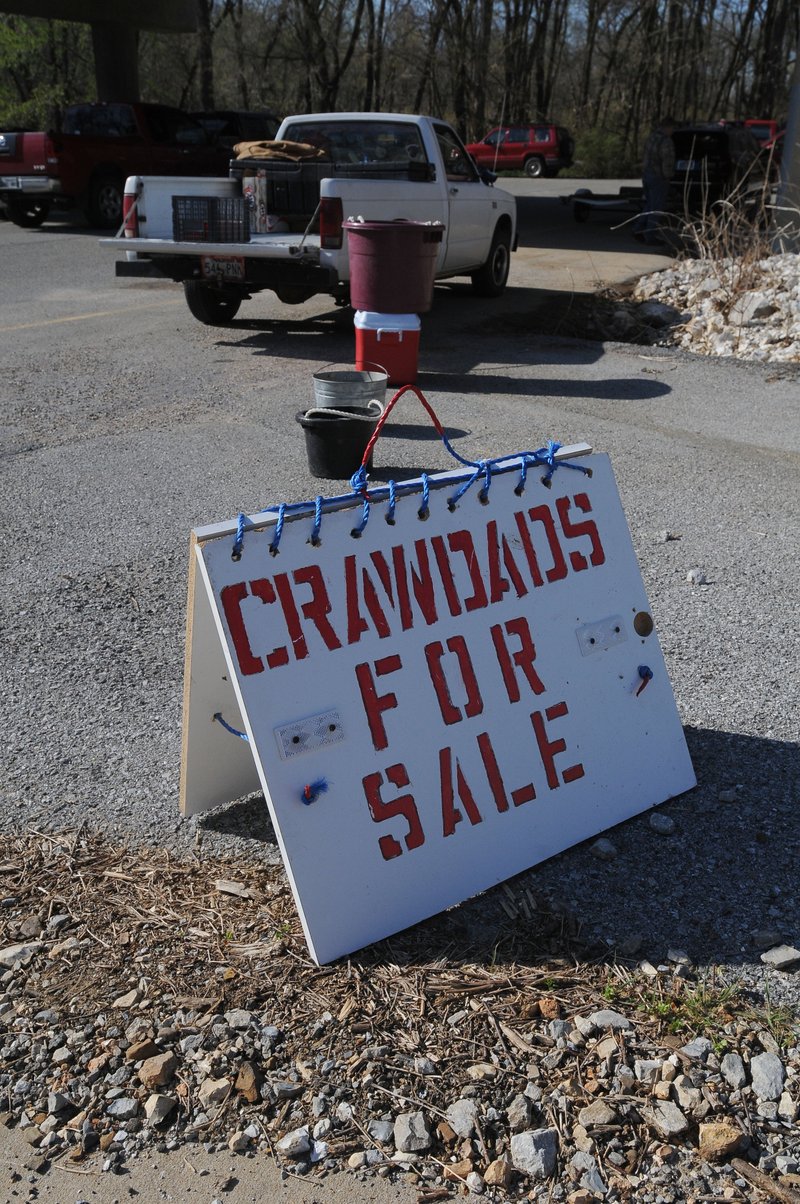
column 158, row 1107
column 213, row 1091
column 19, row 955
column 535, row 1152
column 461, row 1117
column 296, row 1143
column 411, row 1132
column 767, row 1075
column 603, row 849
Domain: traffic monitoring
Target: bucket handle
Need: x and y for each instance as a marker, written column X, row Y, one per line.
column 350, row 368
column 374, row 411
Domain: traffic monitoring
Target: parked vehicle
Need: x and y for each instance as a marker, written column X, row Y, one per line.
column 713, row 163
column 538, row 150
column 763, row 129
column 87, row 162
column 277, row 223
column 227, row 127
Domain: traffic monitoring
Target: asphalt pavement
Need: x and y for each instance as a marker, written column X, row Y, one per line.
column 125, row 424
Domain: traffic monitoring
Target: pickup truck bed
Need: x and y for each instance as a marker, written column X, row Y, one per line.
column 383, row 167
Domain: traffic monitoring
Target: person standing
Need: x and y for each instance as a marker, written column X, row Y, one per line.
column 658, row 167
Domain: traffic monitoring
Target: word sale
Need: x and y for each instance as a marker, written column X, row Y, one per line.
column 474, row 771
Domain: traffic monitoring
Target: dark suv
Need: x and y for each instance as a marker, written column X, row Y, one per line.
column 538, row 150
column 714, row 163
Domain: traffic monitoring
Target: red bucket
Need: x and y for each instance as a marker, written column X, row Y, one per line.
column 392, row 265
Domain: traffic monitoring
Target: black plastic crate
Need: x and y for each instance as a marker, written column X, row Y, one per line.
column 210, row 219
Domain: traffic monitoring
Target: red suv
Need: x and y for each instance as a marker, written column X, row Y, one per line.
column 538, row 150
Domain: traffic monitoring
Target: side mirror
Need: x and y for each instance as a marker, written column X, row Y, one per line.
column 487, row 176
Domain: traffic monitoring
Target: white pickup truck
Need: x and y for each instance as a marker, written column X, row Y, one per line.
column 215, row 237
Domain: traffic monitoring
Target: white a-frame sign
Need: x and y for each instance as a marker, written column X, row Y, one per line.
column 434, row 699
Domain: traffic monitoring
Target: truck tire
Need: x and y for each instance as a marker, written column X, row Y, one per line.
column 490, row 280
column 534, row 167
column 104, row 207
column 26, row 212
column 211, row 306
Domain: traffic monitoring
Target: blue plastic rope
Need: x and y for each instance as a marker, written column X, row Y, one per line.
column 317, row 520
column 276, row 539
column 234, row 731
column 543, row 457
column 241, row 526
column 487, row 483
column 357, row 531
column 392, row 506
column 424, row 509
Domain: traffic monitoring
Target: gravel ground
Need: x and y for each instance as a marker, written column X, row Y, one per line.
column 113, row 451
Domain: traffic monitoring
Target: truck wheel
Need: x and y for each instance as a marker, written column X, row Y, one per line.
column 211, row 306
column 293, row 294
column 104, row 209
column 25, row 212
column 490, row 280
column 534, row 167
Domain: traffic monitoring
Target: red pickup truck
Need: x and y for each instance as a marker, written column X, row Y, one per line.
column 99, row 146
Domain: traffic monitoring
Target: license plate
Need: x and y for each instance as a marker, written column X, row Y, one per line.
column 9, row 181
column 222, row 267
column 686, row 164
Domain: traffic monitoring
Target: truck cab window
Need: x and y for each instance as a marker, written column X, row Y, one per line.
column 458, row 164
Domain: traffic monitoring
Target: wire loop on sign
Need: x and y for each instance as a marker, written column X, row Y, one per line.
column 234, row 731
column 544, row 457
column 311, row 792
column 276, row 539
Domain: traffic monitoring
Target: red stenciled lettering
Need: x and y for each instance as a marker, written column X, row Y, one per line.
column 498, row 583
column 286, row 599
column 528, row 548
column 462, row 541
column 550, row 749
column 421, row 584
column 523, row 658
column 319, row 607
column 402, row 807
column 232, row 597
column 375, row 704
column 451, row 815
column 575, row 530
column 492, row 772
column 446, row 571
column 433, row 655
column 384, row 575
column 263, row 590
column 543, row 515
column 356, row 623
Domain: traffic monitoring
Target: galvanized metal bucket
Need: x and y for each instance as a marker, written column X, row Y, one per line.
column 338, row 386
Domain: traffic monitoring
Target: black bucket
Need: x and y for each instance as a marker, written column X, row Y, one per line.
column 337, row 439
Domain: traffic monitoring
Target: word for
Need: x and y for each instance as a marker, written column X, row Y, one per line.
column 457, row 793
column 453, row 672
column 444, row 575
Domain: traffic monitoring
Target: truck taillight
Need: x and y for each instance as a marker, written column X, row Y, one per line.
column 330, row 223
column 130, row 215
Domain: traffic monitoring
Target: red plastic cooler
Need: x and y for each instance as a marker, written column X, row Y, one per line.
column 390, row 341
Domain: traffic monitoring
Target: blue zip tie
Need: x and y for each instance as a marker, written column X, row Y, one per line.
column 390, row 509
column 310, row 793
column 234, row 731
column 424, row 511
column 276, row 539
